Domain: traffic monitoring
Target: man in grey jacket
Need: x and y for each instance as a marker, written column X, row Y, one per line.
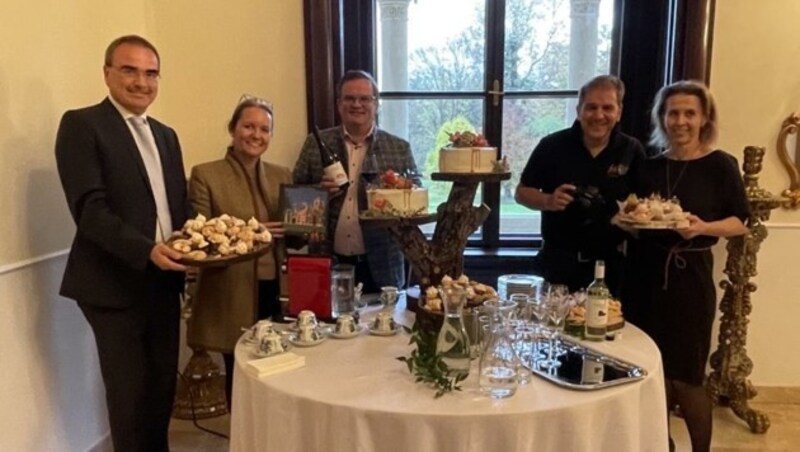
column 377, row 258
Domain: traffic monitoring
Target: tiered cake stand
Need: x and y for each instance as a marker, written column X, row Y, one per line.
column 456, row 219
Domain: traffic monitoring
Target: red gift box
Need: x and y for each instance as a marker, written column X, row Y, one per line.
column 310, row 285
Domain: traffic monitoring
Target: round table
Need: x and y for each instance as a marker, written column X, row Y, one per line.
column 353, row 395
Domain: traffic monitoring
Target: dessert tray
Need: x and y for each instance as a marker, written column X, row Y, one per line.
column 652, row 213
column 585, row 369
column 656, row 224
column 219, row 241
column 223, row 261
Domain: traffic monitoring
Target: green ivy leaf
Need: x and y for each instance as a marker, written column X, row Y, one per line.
column 427, row 366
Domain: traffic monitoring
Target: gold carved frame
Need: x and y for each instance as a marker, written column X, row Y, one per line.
column 790, row 126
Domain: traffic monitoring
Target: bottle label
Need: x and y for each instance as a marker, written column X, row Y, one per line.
column 596, row 316
column 591, row 372
column 336, row 172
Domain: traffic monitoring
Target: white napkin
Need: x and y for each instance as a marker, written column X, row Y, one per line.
column 263, row 367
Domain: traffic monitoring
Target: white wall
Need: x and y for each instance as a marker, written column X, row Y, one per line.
column 755, row 76
column 50, row 61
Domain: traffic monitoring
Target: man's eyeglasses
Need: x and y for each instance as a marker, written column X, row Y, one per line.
column 364, row 100
column 151, row 75
column 257, row 101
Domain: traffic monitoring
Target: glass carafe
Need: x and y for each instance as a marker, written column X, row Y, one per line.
column 499, row 363
column 453, row 342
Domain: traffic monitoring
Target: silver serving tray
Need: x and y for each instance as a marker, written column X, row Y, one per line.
column 585, row 369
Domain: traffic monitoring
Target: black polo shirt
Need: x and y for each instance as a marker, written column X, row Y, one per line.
column 562, row 158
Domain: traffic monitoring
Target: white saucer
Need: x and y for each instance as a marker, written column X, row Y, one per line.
column 377, row 332
column 257, row 350
column 249, row 340
column 294, row 340
column 359, row 329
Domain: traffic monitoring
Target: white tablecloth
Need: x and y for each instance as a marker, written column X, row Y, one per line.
column 353, row 396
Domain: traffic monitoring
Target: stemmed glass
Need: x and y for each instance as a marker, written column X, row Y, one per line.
column 557, row 306
column 522, row 333
column 369, row 168
column 537, row 310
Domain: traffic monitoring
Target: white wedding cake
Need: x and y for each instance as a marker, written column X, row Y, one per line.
column 396, row 196
column 467, row 153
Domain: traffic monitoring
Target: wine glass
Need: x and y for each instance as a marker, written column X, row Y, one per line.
column 537, row 309
column 369, row 168
column 558, row 304
column 521, row 332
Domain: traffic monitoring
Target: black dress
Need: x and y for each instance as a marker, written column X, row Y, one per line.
column 668, row 289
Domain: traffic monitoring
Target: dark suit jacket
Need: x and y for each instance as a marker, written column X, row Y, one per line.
column 109, row 196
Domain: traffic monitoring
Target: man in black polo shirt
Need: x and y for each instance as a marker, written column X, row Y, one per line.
column 574, row 177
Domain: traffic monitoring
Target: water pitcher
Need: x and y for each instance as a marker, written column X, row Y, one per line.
column 453, row 341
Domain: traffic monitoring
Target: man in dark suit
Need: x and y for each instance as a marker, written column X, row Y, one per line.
column 124, row 181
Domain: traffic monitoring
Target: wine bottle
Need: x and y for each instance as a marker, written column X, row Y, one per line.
column 597, row 305
column 332, row 166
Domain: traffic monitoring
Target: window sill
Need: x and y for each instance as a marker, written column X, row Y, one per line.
column 502, row 252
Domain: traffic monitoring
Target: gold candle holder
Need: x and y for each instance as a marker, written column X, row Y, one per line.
column 727, row 384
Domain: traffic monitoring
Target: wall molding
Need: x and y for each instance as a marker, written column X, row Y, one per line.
column 14, row 266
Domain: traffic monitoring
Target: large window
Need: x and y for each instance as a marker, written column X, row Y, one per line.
column 509, row 69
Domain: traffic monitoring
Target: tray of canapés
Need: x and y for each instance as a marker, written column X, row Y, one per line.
column 574, row 325
column 220, row 241
column 430, row 312
column 476, row 292
column 653, row 212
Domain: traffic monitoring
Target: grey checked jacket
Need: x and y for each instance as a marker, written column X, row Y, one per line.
column 384, row 257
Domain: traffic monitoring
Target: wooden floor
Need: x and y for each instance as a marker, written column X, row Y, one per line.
column 782, row 405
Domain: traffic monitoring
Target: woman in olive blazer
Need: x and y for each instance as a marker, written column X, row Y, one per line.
column 230, row 298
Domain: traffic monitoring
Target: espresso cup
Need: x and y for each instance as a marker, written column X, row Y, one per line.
column 261, row 329
column 384, row 322
column 272, row 344
column 308, row 334
column 345, row 324
column 306, row 318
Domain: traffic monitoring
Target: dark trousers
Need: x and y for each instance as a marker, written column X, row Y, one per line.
column 138, row 351
column 268, row 303
column 363, row 273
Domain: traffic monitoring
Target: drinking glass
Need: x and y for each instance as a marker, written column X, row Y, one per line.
column 370, row 169
column 520, row 300
column 499, row 363
column 342, row 289
column 537, row 309
column 558, row 304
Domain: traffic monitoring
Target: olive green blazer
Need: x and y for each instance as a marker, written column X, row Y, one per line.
column 226, row 297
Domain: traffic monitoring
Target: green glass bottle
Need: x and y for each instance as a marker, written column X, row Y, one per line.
column 597, row 305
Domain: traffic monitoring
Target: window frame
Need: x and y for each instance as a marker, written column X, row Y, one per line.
column 664, row 41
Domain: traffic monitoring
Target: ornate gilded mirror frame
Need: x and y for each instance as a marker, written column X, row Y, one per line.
column 789, row 127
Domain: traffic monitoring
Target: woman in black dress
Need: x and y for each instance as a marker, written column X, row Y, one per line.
column 669, row 290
